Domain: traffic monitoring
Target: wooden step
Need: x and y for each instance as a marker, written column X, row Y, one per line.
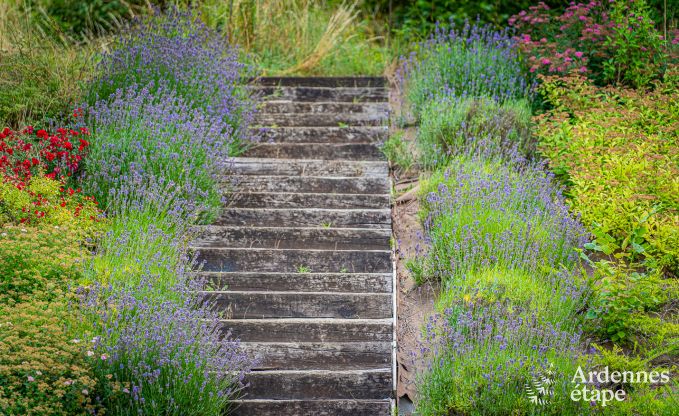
column 309, row 330
column 310, row 184
column 291, row 238
column 337, row 135
column 326, row 151
column 319, row 356
column 320, row 384
column 305, row 217
column 285, row 106
column 306, row 94
column 317, row 120
column 330, row 82
column 348, row 407
column 260, row 305
column 299, row 282
column 307, row 200
column 291, row 167
column 317, row 261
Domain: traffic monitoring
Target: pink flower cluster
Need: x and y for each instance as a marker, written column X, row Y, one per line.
column 562, row 43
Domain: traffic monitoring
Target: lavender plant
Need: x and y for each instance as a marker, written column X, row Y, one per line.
column 469, row 62
column 176, row 51
column 169, row 354
column 451, row 126
column 482, row 358
column 149, row 137
column 481, row 214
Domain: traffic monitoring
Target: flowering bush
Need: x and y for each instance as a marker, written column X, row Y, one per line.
column 608, row 43
column 175, row 51
column 471, row 62
column 44, row 200
column 482, row 357
column 29, row 152
column 43, row 370
column 147, row 136
column 167, row 347
column 37, row 261
column 452, row 126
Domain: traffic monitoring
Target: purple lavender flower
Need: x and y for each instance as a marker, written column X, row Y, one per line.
column 176, row 50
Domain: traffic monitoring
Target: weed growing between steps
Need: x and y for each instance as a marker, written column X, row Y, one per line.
column 518, row 305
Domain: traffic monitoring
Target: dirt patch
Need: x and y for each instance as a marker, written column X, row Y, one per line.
column 414, row 303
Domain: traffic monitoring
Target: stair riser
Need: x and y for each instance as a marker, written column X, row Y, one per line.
column 329, row 82
column 249, row 305
column 281, row 238
column 278, row 107
column 317, row 151
column 290, row 261
column 298, row 201
column 309, row 184
column 368, row 385
column 306, row 94
column 318, row 120
column 337, row 135
column 287, row 167
column 300, row 282
column 305, row 218
column 313, row 408
column 309, row 330
column 326, row 356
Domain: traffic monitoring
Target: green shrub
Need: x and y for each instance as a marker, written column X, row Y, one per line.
column 41, row 200
column 617, row 151
column 452, row 128
column 44, row 370
column 37, row 262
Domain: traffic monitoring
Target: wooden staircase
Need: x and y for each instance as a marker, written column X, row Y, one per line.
column 301, row 258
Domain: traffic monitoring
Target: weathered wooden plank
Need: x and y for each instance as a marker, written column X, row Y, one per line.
column 259, row 305
column 319, row 356
column 320, row 384
column 292, row 238
column 335, row 94
column 309, row 184
column 292, row 167
column 318, row 119
column 282, row 106
column 305, row 217
column 325, row 151
column 300, row 282
column 330, row 82
column 312, row 407
column 337, row 135
column 307, row 200
column 309, row 330
column 318, row 261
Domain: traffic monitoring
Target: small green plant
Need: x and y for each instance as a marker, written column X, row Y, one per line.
column 399, row 152
column 303, row 269
column 327, row 224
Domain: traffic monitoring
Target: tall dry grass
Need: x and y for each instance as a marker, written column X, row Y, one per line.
column 285, row 37
column 41, row 69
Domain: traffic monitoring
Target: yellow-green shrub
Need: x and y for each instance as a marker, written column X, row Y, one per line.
column 43, row 370
column 46, row 201
column 618, row 151
column 37, row 262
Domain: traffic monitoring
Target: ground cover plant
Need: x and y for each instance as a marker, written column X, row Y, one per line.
column 582, row 253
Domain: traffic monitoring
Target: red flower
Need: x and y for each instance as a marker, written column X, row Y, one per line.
column 35, row 161
column 41, row 134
